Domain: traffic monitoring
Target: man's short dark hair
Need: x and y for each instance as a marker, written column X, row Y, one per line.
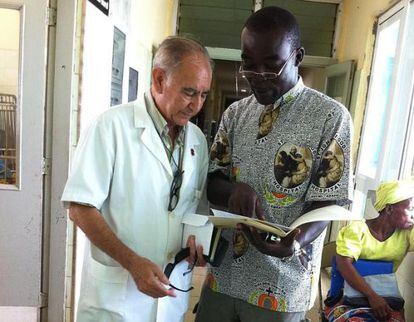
column 275, row 19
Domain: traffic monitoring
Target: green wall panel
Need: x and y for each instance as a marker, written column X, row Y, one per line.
column 218, row 23
column 239, row 4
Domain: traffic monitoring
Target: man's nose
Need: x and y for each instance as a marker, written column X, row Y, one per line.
column 197, row 102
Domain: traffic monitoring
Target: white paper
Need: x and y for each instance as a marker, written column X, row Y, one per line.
column 328, row 213
column 201, row 228
column 172, row 309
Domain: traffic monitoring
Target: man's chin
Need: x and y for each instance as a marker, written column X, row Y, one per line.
column 264, row 98
column 182, row 121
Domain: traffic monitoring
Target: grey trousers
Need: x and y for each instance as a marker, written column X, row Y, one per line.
column 217, row 307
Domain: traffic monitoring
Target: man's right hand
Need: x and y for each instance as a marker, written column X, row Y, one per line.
column 244, row 201
column 380, row 307
column 149, row 278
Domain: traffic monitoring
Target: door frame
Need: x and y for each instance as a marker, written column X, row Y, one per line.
column 62, row 104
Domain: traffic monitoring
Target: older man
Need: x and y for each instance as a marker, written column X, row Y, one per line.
column 137, row 170
column 272, row 174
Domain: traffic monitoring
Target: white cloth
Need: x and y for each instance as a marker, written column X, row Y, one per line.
column 172, row 309
column 122, row 169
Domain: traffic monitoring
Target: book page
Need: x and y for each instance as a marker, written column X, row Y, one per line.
column 228, row 220
column 329, row 213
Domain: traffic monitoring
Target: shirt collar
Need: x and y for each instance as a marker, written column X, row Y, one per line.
column 159, row 121
column 291, row 94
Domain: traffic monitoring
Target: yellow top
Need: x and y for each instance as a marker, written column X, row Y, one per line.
column 355, row 241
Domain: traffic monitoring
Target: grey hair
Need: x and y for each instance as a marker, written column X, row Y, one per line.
column 172, row 50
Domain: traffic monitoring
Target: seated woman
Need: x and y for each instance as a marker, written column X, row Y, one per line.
column 384, row 238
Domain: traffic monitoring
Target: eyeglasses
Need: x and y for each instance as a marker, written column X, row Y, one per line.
column 175, row 189
column 184, row 253
column 249, row 74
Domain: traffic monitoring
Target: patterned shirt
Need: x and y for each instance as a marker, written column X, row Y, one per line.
column 294, row 151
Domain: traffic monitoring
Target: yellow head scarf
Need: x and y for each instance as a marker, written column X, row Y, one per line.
column 391, row 192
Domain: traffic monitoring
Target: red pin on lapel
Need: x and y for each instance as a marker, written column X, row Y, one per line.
column 192, row 151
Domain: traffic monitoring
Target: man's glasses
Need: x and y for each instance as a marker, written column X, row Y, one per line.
column 184, row 253
column 249, row 74
column 175, row 189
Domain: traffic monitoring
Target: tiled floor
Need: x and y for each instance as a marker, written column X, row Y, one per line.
column 198, row 279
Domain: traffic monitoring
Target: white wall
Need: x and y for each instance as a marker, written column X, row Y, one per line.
column 145, row 23
column 9, row 50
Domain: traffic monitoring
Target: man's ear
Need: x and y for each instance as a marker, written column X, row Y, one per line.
column 300, row 53
column 159, row 78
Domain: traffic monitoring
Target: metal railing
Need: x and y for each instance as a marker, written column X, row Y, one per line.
column 8, row 160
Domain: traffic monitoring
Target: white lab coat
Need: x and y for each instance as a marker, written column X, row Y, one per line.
column 122, row 169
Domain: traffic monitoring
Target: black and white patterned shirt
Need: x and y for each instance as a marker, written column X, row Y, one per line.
column 294, row 151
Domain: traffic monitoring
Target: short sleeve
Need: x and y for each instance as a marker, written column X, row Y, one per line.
column 92, row 167
column 331, row 174
column 349, row 240
column 221, row 149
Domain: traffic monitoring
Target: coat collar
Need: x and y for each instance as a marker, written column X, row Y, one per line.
column 152, row 141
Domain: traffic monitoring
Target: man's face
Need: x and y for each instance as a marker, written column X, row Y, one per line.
column 182, row 93
column 268, row 52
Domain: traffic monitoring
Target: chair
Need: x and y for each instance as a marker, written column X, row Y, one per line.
column 328, row 252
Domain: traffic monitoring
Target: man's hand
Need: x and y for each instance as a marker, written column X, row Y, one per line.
column 195, row 251
column 149, row 278
column 380, row 307
column 244, row 201
column 284, row 248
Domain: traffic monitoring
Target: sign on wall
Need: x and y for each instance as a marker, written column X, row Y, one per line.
column 133, row 84
column 102, row 5
column 118, row 57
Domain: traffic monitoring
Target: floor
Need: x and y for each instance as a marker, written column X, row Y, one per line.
column 198, row 279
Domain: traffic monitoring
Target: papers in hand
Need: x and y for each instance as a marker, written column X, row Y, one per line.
column 202, row 226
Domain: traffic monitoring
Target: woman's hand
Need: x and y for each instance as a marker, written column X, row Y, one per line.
column 379, row 306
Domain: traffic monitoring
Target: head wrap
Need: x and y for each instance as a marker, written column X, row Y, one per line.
column 391, row 192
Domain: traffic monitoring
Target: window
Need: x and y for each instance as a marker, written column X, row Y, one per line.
column 9, row 93
column 387, row 139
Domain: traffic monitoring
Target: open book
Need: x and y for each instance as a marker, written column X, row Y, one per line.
column 225, row 219
column 202, row 226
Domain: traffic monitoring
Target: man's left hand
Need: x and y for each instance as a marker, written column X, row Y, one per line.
column 195, row 251
column 282, row 248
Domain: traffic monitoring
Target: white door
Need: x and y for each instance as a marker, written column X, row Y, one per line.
column 23, row 57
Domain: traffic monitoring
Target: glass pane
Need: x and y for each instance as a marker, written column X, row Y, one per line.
column 9, row 89
column 378, row 104
column 335, row 88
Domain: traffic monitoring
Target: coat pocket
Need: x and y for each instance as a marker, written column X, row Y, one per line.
column 104, row 293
